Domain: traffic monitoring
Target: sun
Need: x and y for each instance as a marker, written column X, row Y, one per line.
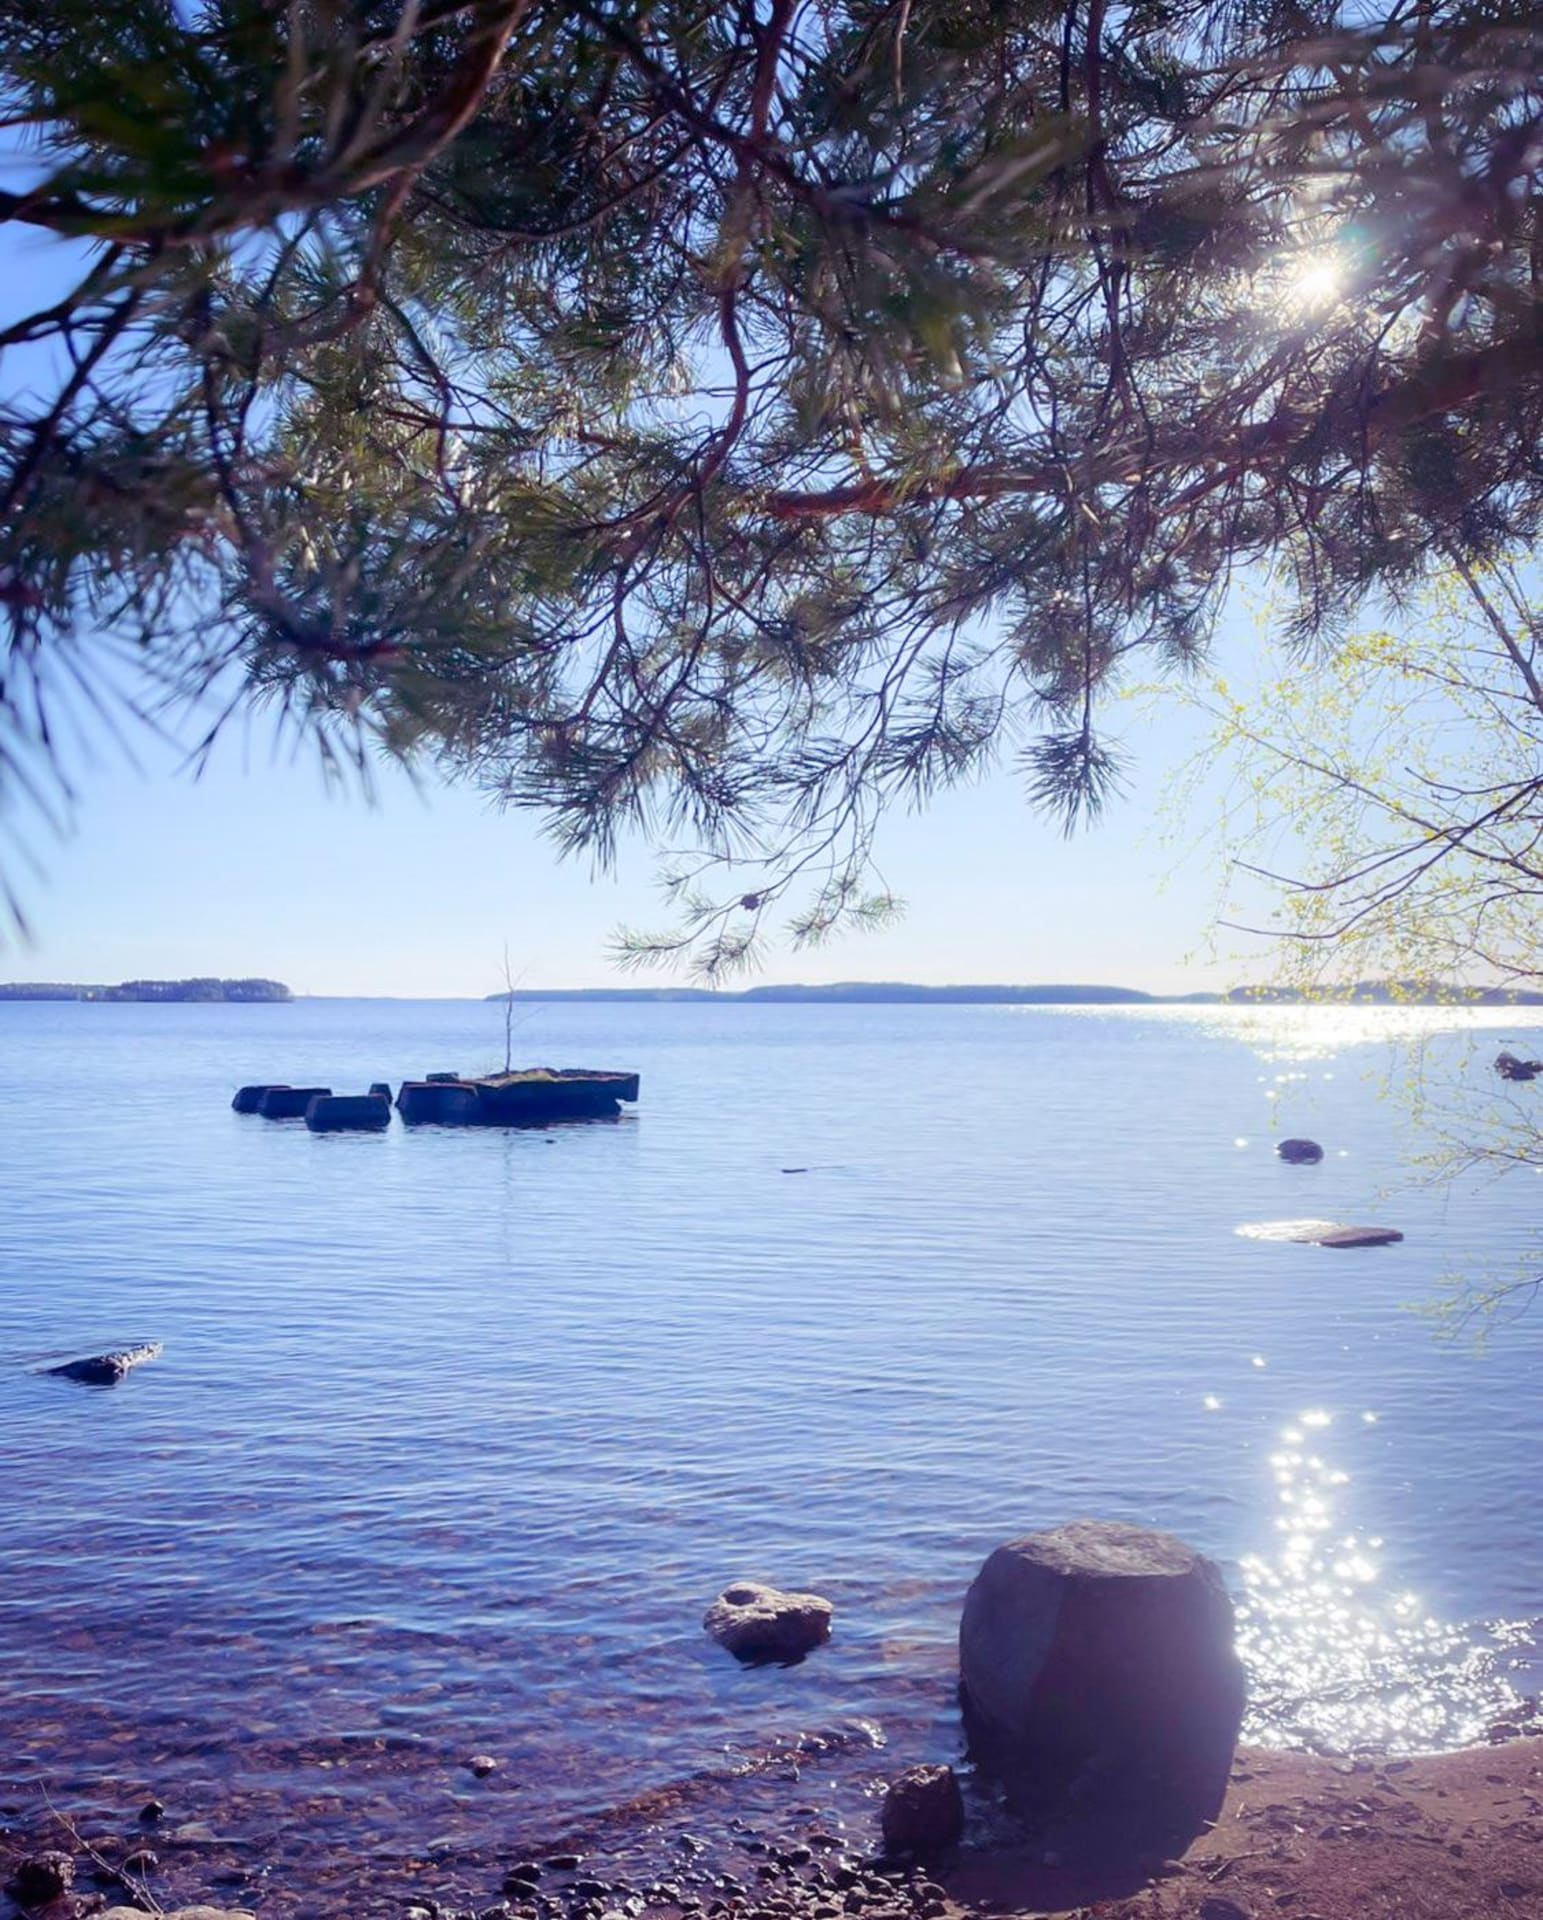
column 1311, row 283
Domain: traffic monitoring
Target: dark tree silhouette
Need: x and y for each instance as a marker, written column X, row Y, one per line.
column 720, row 421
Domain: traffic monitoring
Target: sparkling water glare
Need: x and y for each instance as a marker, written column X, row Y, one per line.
column 455, row 1435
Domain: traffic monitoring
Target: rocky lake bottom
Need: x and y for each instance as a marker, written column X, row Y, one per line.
column 452, row 1439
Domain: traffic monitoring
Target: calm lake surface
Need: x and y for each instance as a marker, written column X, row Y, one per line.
column 456, row 1434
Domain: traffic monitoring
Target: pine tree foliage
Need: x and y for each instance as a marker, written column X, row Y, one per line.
column 718, row 422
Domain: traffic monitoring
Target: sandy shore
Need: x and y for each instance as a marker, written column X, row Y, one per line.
column 1450, row 1837
column 1457, row 1836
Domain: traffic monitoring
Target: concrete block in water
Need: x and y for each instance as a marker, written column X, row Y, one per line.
column 348, row 1113
column 248, row 1099
column 288, row 1103
column 437, row 1103
column 544, row 1095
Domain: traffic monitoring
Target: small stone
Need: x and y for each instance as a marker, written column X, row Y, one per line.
column 151, row 1811
column 1217, row 1908
column 923, row 1811
column 141, row 1860
column 41, row 1877
column 759, row 1623
column 518, row 1887
column 563, row 1862
column 481, row 1764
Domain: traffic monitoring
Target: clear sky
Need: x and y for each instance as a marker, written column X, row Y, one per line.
column 255, row 868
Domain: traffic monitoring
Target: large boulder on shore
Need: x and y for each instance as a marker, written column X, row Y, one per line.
column 760, row 1623
column 923, row 1811
column 1103, row 1648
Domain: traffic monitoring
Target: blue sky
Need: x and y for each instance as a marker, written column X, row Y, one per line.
column 256, row 868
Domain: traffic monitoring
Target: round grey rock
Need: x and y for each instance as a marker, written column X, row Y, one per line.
column 1101, row 1645
column 758, row 1623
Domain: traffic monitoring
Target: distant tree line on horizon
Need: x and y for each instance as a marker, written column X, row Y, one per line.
column 200, row 989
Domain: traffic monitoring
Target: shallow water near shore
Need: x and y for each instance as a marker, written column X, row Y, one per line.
column 455, row 1435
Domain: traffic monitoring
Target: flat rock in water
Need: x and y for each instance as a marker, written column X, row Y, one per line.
column 1360, row 1237
column 107, row 1369
column 757, row 1622
column 1320, row 1233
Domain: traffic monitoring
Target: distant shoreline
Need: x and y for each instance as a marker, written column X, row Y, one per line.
column 905, row 993
column 840, row 993
column 203, row 990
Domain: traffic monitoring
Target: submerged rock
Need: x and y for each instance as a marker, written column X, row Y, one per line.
column 41, row 1877
column 107, row 1369
column 181, row 1913
column 1105, row 1646
column 761, row 1623
column 923, row 1811
column 1300, row 1153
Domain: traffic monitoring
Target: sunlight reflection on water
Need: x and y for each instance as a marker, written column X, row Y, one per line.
column 1337, row 1659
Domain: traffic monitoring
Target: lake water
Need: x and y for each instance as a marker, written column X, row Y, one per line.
column 455, row 1435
